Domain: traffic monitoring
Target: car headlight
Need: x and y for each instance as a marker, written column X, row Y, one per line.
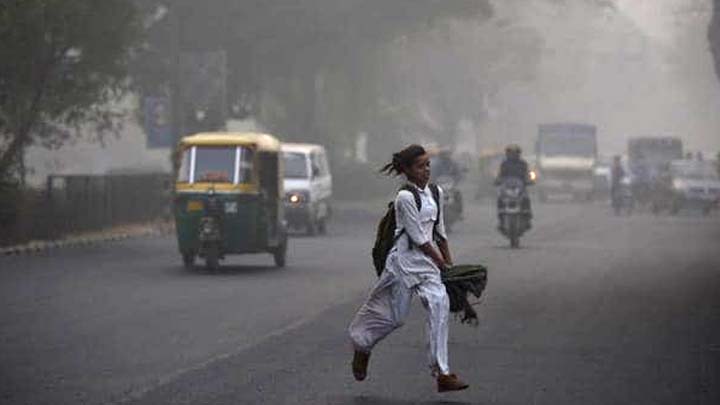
column 297, row 197
column 680, row 186
column 533, row 175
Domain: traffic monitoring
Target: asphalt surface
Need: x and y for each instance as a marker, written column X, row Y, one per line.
column 594, row 309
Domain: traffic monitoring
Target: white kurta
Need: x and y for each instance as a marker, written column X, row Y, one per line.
column 408, row 272
column 406, row 259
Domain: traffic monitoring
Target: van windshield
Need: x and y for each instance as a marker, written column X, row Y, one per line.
column 295, row 165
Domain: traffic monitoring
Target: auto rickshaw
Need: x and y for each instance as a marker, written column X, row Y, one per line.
column 229, row 197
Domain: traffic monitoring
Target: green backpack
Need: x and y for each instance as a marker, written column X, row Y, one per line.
column 385, row 237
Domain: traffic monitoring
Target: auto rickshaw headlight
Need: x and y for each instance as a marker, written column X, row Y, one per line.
column 533, row 175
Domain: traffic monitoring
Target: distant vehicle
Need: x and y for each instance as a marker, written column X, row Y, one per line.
column 308, row 187
column 649, row 160
column 694, row 184
column 566, row 154
column 512, row 212
column 654, row 151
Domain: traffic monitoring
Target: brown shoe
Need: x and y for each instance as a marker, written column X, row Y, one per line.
column 450, row 382
column 359, row 365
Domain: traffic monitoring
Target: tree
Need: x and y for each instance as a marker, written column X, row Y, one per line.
column 714, row 36
column 62, row 64
column 281, row 53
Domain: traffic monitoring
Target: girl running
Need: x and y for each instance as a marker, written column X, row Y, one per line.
column 413, row 267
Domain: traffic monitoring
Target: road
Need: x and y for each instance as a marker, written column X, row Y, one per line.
column 593, row 309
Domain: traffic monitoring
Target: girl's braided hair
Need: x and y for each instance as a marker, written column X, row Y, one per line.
column 402, row 160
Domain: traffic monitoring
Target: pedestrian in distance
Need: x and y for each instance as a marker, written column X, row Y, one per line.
column 413, row 267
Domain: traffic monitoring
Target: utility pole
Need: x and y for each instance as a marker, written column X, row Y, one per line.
column 176, row 96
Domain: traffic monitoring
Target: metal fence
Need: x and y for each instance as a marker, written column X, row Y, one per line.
column 76, row 203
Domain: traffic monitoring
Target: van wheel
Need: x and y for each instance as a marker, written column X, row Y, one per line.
column 280, row 254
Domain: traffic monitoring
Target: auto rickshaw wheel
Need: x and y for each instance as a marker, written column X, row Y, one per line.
column 322, row 226
column 188, row 259
column 311, row 228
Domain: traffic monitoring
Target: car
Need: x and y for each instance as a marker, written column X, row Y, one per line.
column 694, row 184
column 308, row 187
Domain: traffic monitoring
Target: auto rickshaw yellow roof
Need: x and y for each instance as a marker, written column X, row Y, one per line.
column 259, row 140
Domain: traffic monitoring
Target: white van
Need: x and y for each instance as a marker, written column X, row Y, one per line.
column 308, row 187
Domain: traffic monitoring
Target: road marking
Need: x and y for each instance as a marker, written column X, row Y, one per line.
column 132, row 394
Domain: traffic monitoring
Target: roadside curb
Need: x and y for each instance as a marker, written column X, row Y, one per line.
column 356, row 210
column 40, row 246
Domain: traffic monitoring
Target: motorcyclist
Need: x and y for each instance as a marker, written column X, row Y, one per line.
column 617, row 174
column 515, row 167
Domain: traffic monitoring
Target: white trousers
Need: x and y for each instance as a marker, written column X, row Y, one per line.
column 387, row 307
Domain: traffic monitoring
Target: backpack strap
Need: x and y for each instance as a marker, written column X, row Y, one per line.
column 415, row 193
column 435, row 191
column 418, row 203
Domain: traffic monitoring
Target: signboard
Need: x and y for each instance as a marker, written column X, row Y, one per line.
column 158, row 125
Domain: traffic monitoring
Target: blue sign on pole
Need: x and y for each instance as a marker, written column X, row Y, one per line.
column 158, row 125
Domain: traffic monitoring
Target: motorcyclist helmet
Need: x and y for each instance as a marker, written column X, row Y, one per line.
column 513, row 150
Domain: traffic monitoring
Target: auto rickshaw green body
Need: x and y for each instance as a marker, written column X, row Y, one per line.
column 246, row 197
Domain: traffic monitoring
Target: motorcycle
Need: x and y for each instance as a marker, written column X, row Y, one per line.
column 513, row 213
column 452, row 201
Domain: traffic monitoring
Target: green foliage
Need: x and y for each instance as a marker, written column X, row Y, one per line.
column 61, row 64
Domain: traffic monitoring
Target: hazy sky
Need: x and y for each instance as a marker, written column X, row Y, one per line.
column 658, row 18
column 644, row 71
